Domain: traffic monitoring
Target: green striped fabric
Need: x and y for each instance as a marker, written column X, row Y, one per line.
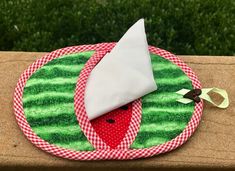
column 49, row 105
column 162, row 117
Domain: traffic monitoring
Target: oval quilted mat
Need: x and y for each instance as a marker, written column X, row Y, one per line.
column 49, row 107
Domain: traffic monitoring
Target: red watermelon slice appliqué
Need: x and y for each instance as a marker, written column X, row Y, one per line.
column 112, row 127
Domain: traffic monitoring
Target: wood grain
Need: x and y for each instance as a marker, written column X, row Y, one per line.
column 212, row 145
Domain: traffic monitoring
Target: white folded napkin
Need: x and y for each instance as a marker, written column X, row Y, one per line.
column 122, row 76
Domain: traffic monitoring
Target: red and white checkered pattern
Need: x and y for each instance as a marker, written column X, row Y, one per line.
column 102, row 151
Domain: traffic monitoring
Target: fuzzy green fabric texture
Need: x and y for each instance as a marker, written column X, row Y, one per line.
column 48, row 101
column 163, row 118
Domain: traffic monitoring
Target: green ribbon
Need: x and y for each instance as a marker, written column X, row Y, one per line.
column 204, row 95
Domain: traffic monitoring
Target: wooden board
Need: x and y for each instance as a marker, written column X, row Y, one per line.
column 212, row 145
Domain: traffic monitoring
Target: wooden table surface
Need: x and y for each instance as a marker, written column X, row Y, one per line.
column 211, row 146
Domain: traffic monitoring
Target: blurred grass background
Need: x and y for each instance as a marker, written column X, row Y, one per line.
column 195, row 27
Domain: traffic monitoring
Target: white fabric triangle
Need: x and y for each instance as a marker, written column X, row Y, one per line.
column 122, row 76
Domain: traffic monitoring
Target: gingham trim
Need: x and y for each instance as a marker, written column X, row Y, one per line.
column 102, row 154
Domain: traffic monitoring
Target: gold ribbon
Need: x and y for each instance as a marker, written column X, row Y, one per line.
column 204, row 95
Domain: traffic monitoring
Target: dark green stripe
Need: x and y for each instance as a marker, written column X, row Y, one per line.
column 165, row 117
column 43, row 88
column 69, row 60
column 144, row 136
column 63, row 138
column 160, row 104
column 77, row 145
column 48, row 101
column 53, row 73
column 60, row 120
column 173, row 74
column 173, row 88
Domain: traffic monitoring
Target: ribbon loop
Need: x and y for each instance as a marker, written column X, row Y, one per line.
column 221, row 92
column 204, row 95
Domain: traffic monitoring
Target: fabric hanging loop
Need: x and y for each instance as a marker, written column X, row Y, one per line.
column 203, row 94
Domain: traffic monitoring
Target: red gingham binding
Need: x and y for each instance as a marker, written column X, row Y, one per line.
column 102, row 151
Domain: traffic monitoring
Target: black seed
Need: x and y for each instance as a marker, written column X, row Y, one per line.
column 124, row 107
column 110, row 120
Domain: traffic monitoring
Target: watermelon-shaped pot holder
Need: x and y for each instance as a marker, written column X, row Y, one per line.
column 141, row 105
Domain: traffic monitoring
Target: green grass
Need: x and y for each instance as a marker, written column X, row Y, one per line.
column 201, row 27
